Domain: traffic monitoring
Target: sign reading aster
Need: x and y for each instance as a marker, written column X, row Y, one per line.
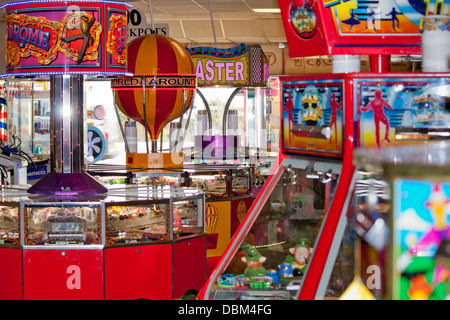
column 240, row 66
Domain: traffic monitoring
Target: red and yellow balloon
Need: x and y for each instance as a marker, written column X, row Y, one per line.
column 211, row 215
column 163, row 68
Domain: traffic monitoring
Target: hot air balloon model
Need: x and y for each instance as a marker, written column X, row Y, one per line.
column 212, row 216
column 161, row 89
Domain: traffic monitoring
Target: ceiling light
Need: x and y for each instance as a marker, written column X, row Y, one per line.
column 267, row 10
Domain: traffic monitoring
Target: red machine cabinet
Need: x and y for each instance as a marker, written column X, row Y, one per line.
column 11, row 275
column 314, row 176
column 63, row 274
column 131, row 271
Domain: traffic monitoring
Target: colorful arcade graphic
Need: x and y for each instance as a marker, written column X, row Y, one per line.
column 399, row 110
column 312, row 116
column 421, row 249
column 303, row 20
column 68, row 39
column 361, row 17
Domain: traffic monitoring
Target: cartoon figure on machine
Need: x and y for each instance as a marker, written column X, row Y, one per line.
column 428, row 276
column 334, row 109
column 394, row 18
column 288, row 108
column 312, row 106
column 254, row 260
column 352, row 21
column 84, row 23
column 371, row 19
column 377, row 105
column 439, row 231
column 302, row 253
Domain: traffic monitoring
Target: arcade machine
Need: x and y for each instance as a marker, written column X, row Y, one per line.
column 68, row 236
column 292, row 241
column 408, row 219
column 238, row 75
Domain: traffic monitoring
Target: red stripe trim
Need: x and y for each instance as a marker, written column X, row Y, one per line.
column 165, row 103
column 167, row 59
column 128, row 104
column 132, row 52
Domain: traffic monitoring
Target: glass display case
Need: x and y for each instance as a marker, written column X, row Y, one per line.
column 127, row 214
column 221, row 181
column 135, row 224
column 227, row 192
column 273, row 257
column 215, row 180
column 9, row 224
column 63, row 224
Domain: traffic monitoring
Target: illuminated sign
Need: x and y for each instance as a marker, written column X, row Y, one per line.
column 238, row 66
column 155, row 82
column 66, row 37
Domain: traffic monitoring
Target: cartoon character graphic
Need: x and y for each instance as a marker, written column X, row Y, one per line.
column 311, row 104
column 289, row 106
column 303, row 19
column 377, row 105
column 371, row 18
column 335, row 106
column 437, row 204
column 84, row 23
column 352, row 21
column 425, row 265
column 394, row 18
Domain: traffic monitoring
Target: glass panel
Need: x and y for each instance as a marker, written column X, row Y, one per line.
column 367, row 219
column 130, row 224
column 41, row 117
column 104, row 139
column 240, row 182
column 46, row 225
column 20, row 114
column 213, row 185
column 9, row 225
column 187, row 218
column 163, row 180
column 275, row 252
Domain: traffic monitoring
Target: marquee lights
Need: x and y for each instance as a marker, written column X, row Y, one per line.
column 52, row 1
column 156, row 81
column 56, row 73
column 90, row 41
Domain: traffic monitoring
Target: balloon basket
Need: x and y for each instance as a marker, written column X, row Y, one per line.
column 154, row 160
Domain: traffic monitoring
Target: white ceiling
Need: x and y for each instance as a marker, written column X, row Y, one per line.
column 190, row 20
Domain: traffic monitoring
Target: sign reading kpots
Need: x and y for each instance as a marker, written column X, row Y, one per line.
column 138, row 26
column 69, row 37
